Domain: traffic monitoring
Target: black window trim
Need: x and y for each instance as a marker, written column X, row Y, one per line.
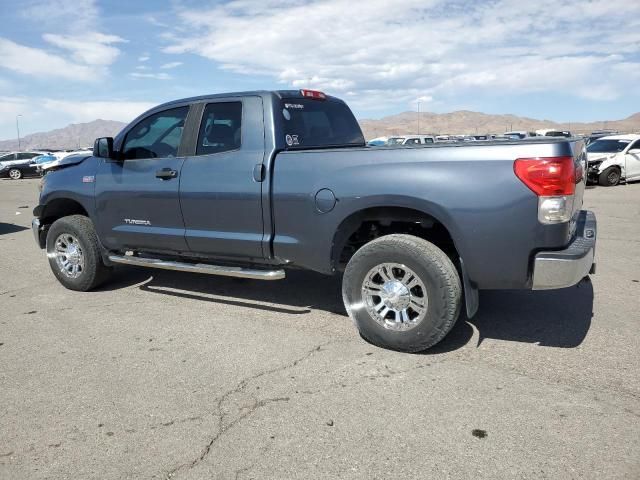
column 179, row 151
column 203, row 105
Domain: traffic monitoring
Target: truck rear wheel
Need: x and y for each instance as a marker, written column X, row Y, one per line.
column 74, row 253
column 402, row 292
column 610, row 177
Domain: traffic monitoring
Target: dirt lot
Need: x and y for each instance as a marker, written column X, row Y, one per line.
column 170, row 375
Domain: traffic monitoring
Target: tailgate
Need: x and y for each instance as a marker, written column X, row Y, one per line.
column 580, row 161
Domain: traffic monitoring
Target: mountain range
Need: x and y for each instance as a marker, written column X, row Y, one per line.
column 461, row 122
column 76, row 135
column 469, row 123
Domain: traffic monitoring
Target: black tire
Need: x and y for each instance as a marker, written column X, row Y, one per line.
column 437, row 273
column 610, row 177
column 15, row 173
column 94, row 272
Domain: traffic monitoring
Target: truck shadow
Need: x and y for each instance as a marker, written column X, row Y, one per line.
column 6, row 228
column 555, row 318
column 552, row 318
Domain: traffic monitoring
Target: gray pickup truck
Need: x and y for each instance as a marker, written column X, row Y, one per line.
column 252, row 184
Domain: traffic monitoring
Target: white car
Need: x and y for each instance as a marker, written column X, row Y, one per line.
column 614, row 158
column 411, row 140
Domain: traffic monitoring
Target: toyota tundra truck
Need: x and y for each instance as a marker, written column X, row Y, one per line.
column 254, row 184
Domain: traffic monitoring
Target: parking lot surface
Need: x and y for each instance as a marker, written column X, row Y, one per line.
column 174, row 375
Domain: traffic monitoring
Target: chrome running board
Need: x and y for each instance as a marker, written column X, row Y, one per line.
column 239, row 272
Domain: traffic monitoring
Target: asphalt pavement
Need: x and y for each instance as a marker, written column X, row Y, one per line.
column 182, row 376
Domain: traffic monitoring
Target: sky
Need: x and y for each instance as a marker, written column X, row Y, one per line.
column 70, row 61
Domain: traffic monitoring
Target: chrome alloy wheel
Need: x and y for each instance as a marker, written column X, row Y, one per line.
column 15, row 174
column 394, row 296
column 69, row 256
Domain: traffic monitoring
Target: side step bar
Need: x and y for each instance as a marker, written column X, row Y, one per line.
column 239, row 272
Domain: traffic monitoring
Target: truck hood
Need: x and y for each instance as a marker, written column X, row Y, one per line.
column 600, row 157
column 66, row 161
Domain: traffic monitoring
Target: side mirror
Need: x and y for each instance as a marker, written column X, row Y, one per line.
column 103, row 147
column 634, row 151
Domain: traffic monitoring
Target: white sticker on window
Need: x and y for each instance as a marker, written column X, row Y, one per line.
column 296, row 106
column 292, row 140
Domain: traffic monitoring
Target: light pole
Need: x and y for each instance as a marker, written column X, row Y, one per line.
column 18, row 129
column 418, row 117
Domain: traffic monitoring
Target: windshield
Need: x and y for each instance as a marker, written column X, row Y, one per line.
column 608, row 146
column 314, row 123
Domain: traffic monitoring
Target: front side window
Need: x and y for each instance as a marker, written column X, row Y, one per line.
column 26, row 155
column 220, row 129
column 157, row 136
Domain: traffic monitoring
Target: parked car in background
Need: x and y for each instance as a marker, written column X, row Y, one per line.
column 551, row 132
column 521, row 134
column 378, row 142
column 419, row 140
column 599, row 134
column 16, row 165
column 613, row 159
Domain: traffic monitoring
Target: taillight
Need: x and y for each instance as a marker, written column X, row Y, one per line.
column 547, row 176
column 553, row 180
column 314, row 94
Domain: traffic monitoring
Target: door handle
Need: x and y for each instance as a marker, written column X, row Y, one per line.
column 166, row 173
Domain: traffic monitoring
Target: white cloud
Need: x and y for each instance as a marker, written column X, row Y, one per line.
column 83, row 55
column 170, row 65
column 90, row 48
column 156, row 76
column 34, row 61
column 80, row 14
column 414, row 48
column 144, row 58
column 123, row 111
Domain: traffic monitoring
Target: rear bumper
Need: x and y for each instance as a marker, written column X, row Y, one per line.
column 564, row 268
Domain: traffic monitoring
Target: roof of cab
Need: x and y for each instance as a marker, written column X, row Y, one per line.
column 262, row 93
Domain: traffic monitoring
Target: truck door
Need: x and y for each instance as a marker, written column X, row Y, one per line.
column 137, row 196
column 632, row 161
column 221, row 185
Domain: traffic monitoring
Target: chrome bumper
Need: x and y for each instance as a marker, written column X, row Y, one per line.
column 564, row 268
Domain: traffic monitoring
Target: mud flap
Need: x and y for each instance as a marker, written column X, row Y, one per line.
column 471, row 297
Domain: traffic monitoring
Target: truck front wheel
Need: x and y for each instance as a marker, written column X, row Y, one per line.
column 402, row 292
column 74, row 253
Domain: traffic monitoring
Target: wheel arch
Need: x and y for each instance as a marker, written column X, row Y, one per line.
column 403, row 219
column 53, row 210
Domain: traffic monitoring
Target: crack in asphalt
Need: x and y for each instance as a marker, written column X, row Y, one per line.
column 257, row 404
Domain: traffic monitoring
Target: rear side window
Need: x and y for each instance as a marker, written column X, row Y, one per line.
column 26, row 155
column 157, row 136
column 313, row 123
column 221, row 128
